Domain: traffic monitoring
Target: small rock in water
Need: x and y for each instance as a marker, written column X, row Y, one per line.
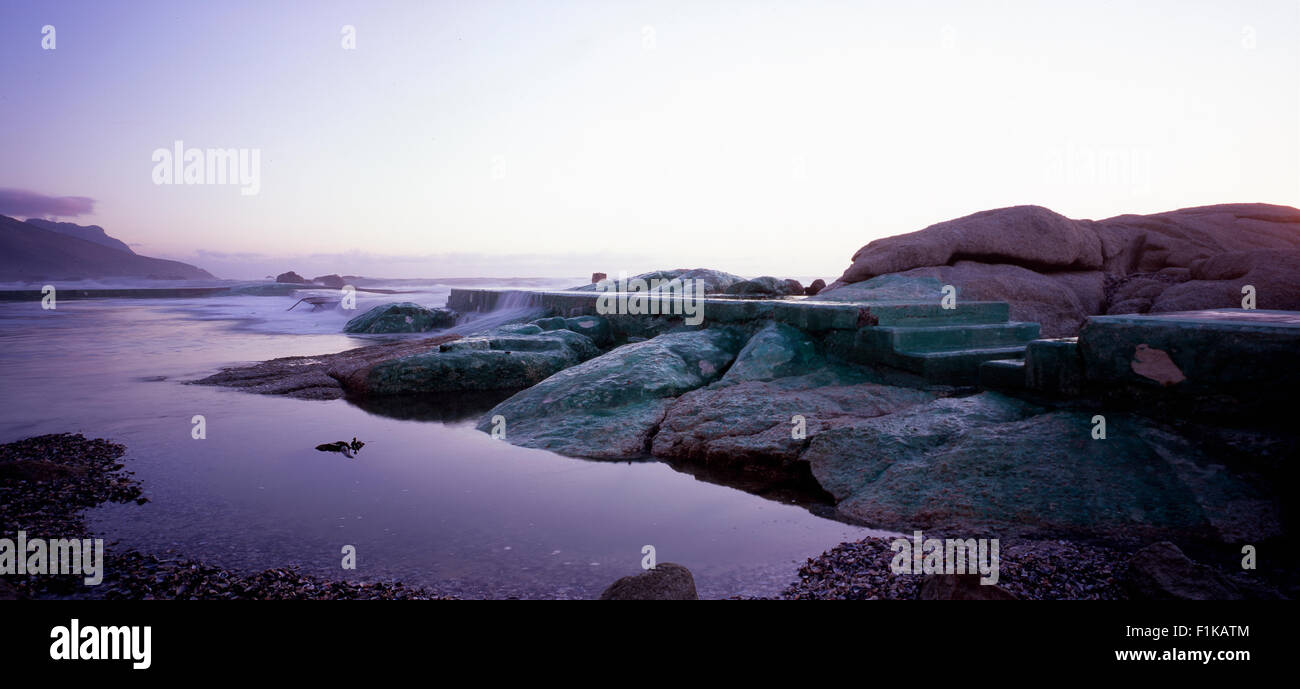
column 667, row 581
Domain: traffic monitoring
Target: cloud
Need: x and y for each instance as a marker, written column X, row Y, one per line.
column 29, row 204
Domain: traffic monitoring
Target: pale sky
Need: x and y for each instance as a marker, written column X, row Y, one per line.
column 545, row 138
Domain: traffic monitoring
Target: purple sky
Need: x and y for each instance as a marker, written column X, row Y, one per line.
column 498, row 139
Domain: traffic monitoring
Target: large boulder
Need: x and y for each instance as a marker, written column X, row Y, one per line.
column 1217, row 282
column 749, row 425
column 331, row 281
column 1057, row 271
column 401, row 317
column 765, row 286
column 291, row 277
column 501, row 361
column 609, row 407
column 745, row 420
column 667, row 581
column 988, row 464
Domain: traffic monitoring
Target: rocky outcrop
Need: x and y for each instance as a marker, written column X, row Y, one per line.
column 778, row 383
column 1057, row 271
column 401, row 317
column 502, row 361
column 667, row 581
column 992, row 464
column 291, row 277
column 813, row 289
column 308, row 377
column 765, row 286
column 330, row 281
column 610, row 406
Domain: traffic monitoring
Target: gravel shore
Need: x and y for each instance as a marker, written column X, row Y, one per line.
column 1035, row 570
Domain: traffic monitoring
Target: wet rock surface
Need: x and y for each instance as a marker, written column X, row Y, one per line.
column 610, row 406
column 310, row 377
column 401, row 317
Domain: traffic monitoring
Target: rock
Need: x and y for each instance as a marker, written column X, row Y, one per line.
column 991, row 464
column 596, row 328
column 331, row 281
column 510, row 361
column 961, row 587
column 556, row 323
column 766, row 286
column 886, row 288
column 1060, row 302
column 715, row 281
column 521, row 329
column 667, row 581
column 744, row 420
column 748, row 425
column 817, row 286
column 291, row 277
column 1217, row 282
column 1054, row 270
column 1161, row 571
column 597, row 277
column 609, row 406
column 401, row 317
column 775, row 351
column 309, row 377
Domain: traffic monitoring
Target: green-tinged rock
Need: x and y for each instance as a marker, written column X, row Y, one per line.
column 762, row 426
column 986, row 465
column 401, row 317
column 521, row 329
column 775, row 351
column 508, row 361
column 608, row 407
column 847, row 459
column 553, row 323
column 595, row 328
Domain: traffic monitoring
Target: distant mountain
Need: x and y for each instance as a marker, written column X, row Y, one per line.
column 29, row 252
column 90, row 233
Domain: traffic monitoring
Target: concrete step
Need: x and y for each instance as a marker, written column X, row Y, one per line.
column 1054, row 366
column 815, row 316
column 1002, row 374
column 953, row 366
column 966, row 312
column 946, row 337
